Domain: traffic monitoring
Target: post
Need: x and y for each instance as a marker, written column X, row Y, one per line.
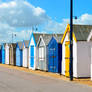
column 71, row 40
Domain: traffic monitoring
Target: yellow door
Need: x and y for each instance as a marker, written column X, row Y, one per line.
column 67, row 60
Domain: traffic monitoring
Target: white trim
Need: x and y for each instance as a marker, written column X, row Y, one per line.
column 89, row 37
column 41, row 39
column 32, row 43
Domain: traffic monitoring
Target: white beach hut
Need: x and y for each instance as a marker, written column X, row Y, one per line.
column 6, row 53
column 90, row 40
column 25, row 53
column 42, row 49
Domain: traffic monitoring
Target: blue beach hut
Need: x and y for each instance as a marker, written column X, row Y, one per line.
column 3, row 53
column 19, row 54
column 55, row 54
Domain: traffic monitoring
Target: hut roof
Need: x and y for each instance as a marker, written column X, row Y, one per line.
column 26, row 43
column 36, row 36
column 20, row 44
column 0, row 46
column 58, row 37
column 46, row 38
column 12, row 45
column 82, row 32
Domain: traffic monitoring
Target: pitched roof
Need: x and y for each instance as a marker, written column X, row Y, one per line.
column 82, row 32
column 46, row 38
column 36, row 36
column 12, row 44
column 58, row 37
column 26, row 43
column 20, row 44
column 0, row 46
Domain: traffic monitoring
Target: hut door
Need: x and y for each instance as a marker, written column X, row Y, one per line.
column 25, row 57
column 32, row 56
column 52, row 58
column 3, row 56
column 7, row 55
column 67, row 60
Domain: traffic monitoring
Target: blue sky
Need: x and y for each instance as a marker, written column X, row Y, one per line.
column 59, row 9
column 50, row 16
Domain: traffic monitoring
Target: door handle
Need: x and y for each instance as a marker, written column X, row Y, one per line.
column 67, row 58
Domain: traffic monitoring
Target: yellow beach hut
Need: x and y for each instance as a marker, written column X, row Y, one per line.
column 81, row 51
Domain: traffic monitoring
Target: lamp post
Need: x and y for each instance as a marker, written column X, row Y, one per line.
column 71, row 41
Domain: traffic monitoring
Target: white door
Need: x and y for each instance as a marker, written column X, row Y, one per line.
column 7, row 55
column 25, row 57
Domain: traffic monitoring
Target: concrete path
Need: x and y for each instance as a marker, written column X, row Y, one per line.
column 12, row 80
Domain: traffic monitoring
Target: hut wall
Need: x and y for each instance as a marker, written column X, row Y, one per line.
column 42, row 59
column 33, row 67
column 6, row 54
column 25, row 57
column 12, row 56
column 0, row 55
column 84, row 59
column 74, row 56
column 18, row 53
column 91, row 63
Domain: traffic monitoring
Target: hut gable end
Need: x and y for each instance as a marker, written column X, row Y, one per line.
column 80, row 32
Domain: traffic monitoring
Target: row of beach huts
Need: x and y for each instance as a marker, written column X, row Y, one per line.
column 50, row 52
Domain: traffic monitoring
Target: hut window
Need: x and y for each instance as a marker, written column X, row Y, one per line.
column 41, row 53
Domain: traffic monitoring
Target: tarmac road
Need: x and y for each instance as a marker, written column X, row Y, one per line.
column 12, row 80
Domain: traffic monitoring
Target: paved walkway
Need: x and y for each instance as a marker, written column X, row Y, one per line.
column 13, row 80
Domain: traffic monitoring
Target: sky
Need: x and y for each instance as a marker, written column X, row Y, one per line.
column 21, row 17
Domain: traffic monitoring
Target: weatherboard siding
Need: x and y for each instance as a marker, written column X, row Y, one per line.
column 74, row 56
column 6, row 54
column 32, row 43
column 84, row 58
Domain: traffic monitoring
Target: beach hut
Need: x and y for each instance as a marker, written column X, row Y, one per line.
column 90, row 40
column 42, row 45
column 25, row 53
column 12, row 54
column 0, row 54
column 6, row 53
column 55, row 54
column 81, row 51
column 33, row 50
column 3, row 53
column 19, row 54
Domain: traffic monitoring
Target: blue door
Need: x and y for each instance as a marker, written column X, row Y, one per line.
column 21, row 57
column 32, row 57
column 17, row 57
column 53, row 58
column 3, row 56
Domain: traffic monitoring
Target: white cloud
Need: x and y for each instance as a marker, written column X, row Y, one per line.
column 21, row 13
column 85, row 19
column 55, row 27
